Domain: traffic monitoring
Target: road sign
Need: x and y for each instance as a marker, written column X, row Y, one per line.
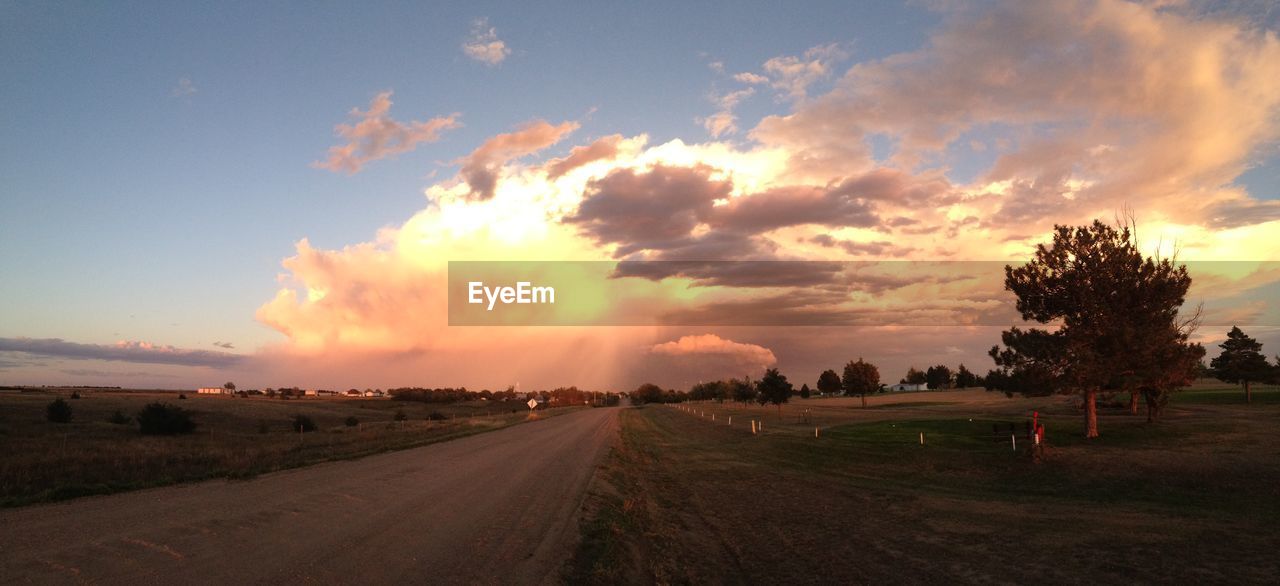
column 533, row 404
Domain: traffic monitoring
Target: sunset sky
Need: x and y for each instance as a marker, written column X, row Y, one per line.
column 270, row 194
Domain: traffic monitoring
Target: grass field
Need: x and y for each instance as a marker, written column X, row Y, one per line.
column 685, row 499
column 235, row 437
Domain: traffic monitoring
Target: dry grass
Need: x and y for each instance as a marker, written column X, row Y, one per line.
column 695, row 501
column 235, row 437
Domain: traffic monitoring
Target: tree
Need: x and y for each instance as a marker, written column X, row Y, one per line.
column 938, row 377
column 965, row 379
column 1115, row 311
column 647, row 393
column 861, row 378
column 773, row 388
column 742, row 391
column 914, row 377
column 1241, row 362
column 804, row 391
column 230, row 386
column 829, row 383
column 59, row 411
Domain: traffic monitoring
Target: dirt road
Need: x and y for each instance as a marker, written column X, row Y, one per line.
column 498, row 507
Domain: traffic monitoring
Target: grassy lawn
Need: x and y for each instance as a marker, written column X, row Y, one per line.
column 234, row 438
column 684, row 499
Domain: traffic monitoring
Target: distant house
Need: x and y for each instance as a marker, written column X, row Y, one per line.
column 326, row 393
column 353, row 393
column 213, row 391
column 310, row 393
column 908, row 387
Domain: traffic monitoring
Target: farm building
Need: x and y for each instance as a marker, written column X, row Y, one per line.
column 908, row 387
column 213, row 391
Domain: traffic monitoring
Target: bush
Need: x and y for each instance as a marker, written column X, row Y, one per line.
column 400, row 415
column 302, row 423
column 75, row 394
column 352, row 421
column 436, row 416
column 58, row 411
column 182, row 396
column 119, row 418
column 164, row 419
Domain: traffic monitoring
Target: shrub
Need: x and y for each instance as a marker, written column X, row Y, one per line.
column 75, row 394
column 302, row 423
column 164, row 419
column 182, row 396
column 58, row 411
column 436, row 416
column 400, row 415
column 352, row 421
column 119, row 418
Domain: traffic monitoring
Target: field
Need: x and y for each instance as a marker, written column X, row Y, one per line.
column 235, row 437
column 685, row 499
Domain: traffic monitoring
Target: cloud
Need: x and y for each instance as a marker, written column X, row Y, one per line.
column 1084, row 108
column 483, row 44
column 713, row 345
column 226, row 345
column 184, row 88
column 124, row 351
column 480, row 168
column 376, row 135
column 792, row 75
column 750, row 78
column 724, row 121
column 603, row 149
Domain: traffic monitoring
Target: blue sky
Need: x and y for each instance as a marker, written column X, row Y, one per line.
column 133, row 212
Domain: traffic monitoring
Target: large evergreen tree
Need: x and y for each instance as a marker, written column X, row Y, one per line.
column 773, row 388
column 1114, row 310
column 1241, row 362
column 829, row 382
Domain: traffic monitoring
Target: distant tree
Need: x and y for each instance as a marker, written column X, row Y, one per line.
column 647, row 393
column 1241, row 362
column 1111, row 306
column 230, row 386
column 742, row 390
column 773, row 388
column 59, row 411
column 709, row 391
column 182, row 396
column 162, row 419
column 915, row 377
column 860, row 378
column 75, row 394
column 804, row 391
column 965, row 379
column 938, row 377
column 829, row 383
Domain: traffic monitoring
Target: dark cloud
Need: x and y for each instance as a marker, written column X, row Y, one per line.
column 225, row 345
column 657, row 210
column 140, row 352
column 768, row 273
column 875, row 248
column 794, row 206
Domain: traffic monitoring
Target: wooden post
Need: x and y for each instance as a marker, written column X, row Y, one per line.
column 815, row 432
column 1013, row 437
column 730, row 420
column 922, row 438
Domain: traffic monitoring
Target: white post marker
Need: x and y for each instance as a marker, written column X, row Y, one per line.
column 815, row 432
column 730, row 420
column 1013, row 438
column 922, row 438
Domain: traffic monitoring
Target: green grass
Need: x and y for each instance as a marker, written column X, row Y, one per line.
column 1231, row 395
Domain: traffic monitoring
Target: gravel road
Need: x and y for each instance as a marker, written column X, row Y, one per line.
column 498, row 507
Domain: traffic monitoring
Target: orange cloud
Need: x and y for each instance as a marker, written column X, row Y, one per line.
column 376, row 135
column 480, row 168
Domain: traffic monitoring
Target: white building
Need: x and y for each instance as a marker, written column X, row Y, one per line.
column 213, row 391
column 908, row 387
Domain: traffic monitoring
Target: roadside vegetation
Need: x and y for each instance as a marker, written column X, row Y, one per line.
column 115, row 440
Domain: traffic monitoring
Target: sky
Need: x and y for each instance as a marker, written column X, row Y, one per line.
column 270, row 194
